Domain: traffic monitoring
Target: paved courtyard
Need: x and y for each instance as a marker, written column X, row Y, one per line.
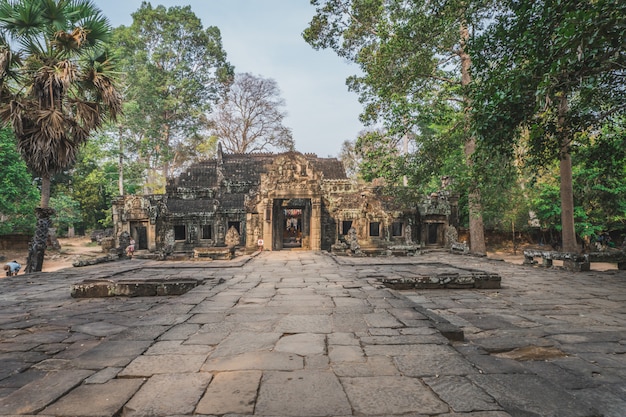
column 307, row 334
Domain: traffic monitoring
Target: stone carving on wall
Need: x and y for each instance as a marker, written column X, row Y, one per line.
column 232, row 237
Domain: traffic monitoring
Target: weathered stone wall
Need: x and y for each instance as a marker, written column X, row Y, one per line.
column 248, row 193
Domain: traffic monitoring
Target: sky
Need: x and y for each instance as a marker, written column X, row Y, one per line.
column 264, row 37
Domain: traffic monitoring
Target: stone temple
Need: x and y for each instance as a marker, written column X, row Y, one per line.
column 282, row 201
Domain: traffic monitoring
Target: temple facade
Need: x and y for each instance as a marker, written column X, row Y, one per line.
column 278, row 201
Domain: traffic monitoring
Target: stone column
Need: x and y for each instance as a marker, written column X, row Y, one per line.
column 316, row 224
column 267, row 219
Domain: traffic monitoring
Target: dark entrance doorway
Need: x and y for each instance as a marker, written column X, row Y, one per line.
column 291, row 228
column 139, row 232
column 292, row 235
column 433, row 233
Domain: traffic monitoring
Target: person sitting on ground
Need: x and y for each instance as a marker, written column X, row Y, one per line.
column 12, row 268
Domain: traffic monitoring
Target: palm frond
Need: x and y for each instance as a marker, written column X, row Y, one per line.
column 88, row 114
column 22, row 19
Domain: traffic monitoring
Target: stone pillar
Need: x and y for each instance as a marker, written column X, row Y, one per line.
column 316, row 224
column 267, row 219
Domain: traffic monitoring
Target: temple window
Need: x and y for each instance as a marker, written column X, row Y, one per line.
column 236, row 225
column 180, row 232
column 374, row 229
column 207, row 231
column 345, row 227
column 396, row 229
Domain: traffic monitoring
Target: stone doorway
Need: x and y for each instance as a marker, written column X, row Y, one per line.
column 291, row 224
column 139, row 233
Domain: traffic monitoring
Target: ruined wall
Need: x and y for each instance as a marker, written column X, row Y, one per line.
column 249, row 192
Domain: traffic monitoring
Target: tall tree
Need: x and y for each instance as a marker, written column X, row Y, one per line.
column 175, row 70
column 250, row 116
column 413, row 55
column 553, row 68
column 380, row 157
column 55, row 88
column 350, row 159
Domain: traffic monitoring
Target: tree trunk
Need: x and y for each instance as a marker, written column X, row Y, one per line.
column 37, row 246
column 568, row 231
column 476, row 226
column 45, row 191
column 120, row 166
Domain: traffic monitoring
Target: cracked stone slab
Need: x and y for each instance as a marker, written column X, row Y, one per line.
column 460, row 394
column 36, row 395
column 372, row 366
column 241, row 342
column 111, row 354
column 518, row 393
column 312, row 323
column 231, row 393
column 302, row 344
column 341, row 353
column 387, row 395
column 100, row 329
column 157, row 398
column 281, row 394
column 146, row 366
column 274, row 361
column 102, row 399
column 435, row 365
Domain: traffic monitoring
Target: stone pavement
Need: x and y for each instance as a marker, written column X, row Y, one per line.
column 306, row 334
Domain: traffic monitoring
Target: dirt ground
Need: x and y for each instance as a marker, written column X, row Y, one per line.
column 73, row 249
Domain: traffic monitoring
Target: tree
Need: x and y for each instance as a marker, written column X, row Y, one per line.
column 93, row 181
column 250, row 117
column 55, row 88
column 380, row 157
column 174, row 71
column 19, row 194
column 413, row 56
column 555, row 69
column 67, row 212
column 350, row 159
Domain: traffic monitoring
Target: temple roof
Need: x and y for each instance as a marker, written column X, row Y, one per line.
column 246, row 169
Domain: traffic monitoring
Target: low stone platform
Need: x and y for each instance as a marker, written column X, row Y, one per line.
column 575, row 262
column 131, row 288
column 438, row 276
column 215, row 253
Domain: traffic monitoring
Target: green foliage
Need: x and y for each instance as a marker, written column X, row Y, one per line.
column 18, row 195
column 599, row 174
column 547, row 205
column 94, row 180
column 547, row 73
column 379, row 157
column 174, row 70
column 56, row 79
column 67, row 212
column 536, row 53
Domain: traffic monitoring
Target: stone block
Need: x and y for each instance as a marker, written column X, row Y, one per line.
column 255, row 361
column 460, row 394
column 146, row 366
column 391, row 395
column 95, row 400
column 157, row 398
column 36, row 395
column 231, row 392
column 282, row 394
column 528, row 394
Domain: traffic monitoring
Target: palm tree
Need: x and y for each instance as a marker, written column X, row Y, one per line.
column 56, row 88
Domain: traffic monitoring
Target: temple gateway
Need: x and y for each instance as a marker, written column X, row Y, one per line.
column 283, row 201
